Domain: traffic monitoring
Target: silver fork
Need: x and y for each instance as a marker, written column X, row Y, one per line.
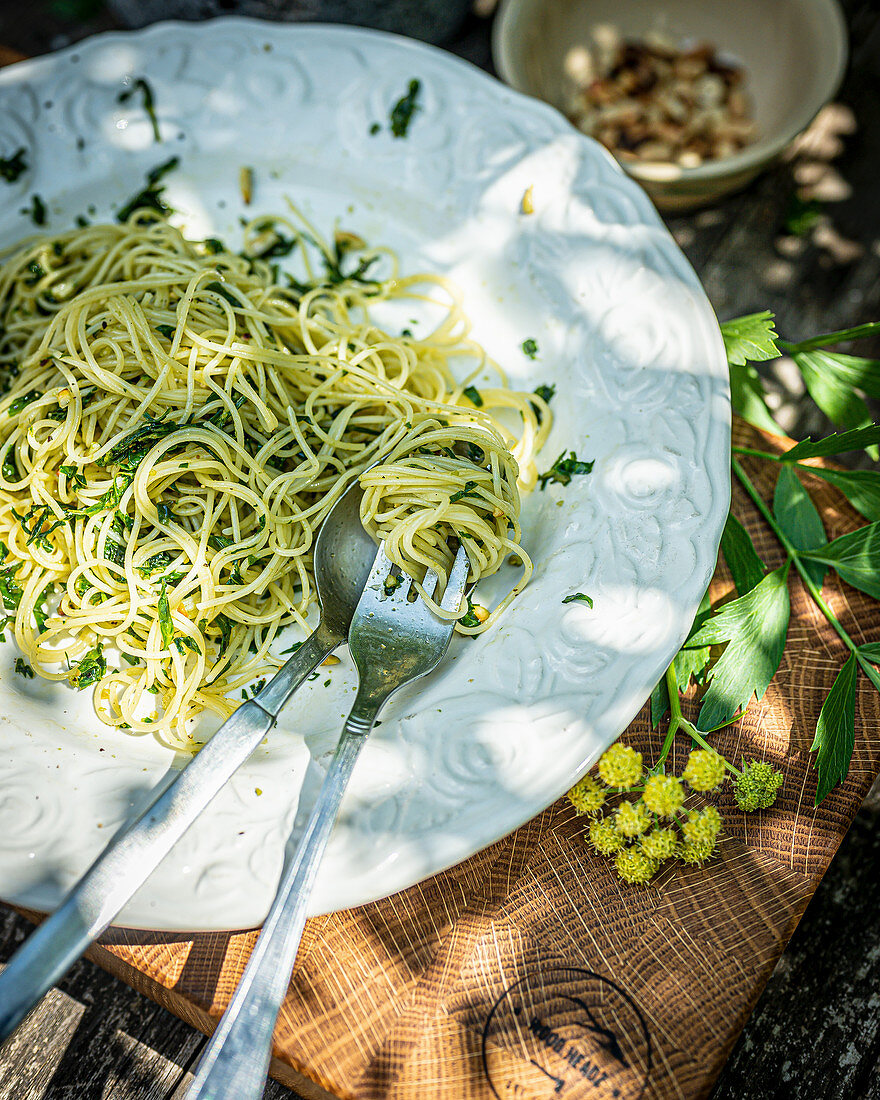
column 393, row 641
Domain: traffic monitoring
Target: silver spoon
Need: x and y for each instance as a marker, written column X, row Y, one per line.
column 343, row 556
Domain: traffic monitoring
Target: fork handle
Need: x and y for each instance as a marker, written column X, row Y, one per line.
column 140, row 844
column 236, row 1060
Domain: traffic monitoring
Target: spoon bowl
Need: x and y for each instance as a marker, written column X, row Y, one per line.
column 343, row 557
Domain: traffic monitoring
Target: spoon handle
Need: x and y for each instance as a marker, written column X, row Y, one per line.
column 141, row 843
column 236, row 1060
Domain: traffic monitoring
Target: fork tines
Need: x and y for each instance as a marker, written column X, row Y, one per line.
column 455, row 584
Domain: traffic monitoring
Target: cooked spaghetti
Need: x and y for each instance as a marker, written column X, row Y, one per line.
column 180, row 419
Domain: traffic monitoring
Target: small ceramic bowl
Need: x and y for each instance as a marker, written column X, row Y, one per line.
column 794, row 54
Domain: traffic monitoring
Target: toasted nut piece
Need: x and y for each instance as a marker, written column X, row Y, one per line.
column 246, row 184
column 689, row 159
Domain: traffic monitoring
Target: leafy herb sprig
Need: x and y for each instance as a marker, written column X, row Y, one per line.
column 753, row 627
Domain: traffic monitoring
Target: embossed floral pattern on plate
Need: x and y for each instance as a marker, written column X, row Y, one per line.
column 624, row 332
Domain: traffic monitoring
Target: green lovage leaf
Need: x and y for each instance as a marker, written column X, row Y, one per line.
column 800, row 522
column 89, row 669
column 747, row 398
column 836, row 730
column 10, row 590
column 470, row 488
column 868, row 656
column 742, row 559
column 74, row 476
column 750, row 339
column 659, row 701
column 219, row 288
column 855, row 557
column 151, row 197
column 563, row 469
column 40, row 610
column 860, row 487
column 136, row 445
column 871, row 651
column 469, row 618
column 833, row 394
column 851, row 372
column 225, row 625
column 22, row 402
column 545, row 392
column 166, row 626
column 837, row 444
column 754, row 627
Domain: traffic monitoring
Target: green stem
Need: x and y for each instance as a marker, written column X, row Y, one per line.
column 757, row 454
column 792, row 552
column 676, row 718
column 677, row 721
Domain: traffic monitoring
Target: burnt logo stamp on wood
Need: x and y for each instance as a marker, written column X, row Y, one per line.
column 566, row 1032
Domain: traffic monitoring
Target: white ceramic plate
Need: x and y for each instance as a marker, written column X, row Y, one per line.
column 624, row 332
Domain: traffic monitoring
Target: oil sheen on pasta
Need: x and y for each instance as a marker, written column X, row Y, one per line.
column 179, row 420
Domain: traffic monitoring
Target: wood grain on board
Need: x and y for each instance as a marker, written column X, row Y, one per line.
column 530, row 970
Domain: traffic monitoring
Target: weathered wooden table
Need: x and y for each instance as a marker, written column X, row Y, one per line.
column 816, row 1029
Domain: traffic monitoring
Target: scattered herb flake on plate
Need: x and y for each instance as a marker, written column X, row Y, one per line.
column 149, row 103
column 403, row 110
column 150, row 198
column 12, row 167
column 36, row 211
column 564, row 469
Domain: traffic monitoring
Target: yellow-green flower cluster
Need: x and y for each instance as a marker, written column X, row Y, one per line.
column 605, row 838
column 620, row 766
column 640, row 833
column 587, row 796
column 660, row 843
column 632, row 819
column 634, row 866
column 700, row 835
column 663, row 795
column 756, row 787
column 705, row 770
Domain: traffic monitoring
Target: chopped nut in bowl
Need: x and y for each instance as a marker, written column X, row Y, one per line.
column 656, row 100
column 693, row 97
